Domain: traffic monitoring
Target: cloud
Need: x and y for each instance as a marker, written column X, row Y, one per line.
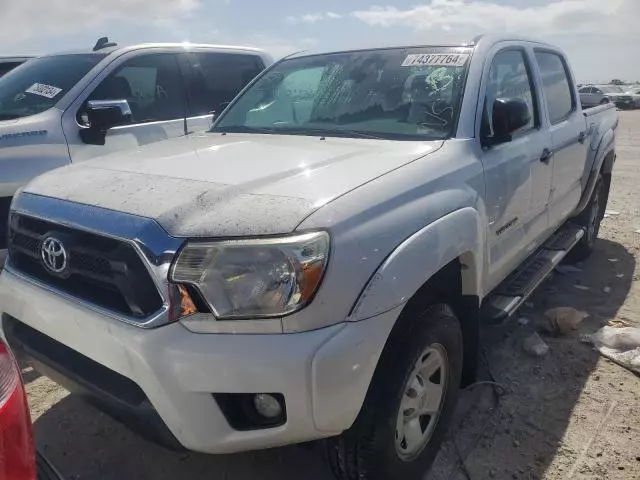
column 555, row 17
column 274, row 45
column 22, row 20
column 313, row 17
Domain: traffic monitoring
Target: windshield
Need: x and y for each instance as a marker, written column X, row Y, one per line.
column 37, row 85
column 403, row 93
column 611, row 89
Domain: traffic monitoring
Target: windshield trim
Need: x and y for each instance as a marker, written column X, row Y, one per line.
column 468, row 49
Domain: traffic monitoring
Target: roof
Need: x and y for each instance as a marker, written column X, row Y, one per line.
column 124, row 49
column 484, row 39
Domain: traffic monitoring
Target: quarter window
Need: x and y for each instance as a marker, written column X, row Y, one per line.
column 557, row 89
column 152, row 84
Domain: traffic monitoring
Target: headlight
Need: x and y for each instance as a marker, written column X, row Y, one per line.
column 254, row 278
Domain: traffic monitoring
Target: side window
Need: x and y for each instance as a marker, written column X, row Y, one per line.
column 152, row 84
column 509, row 77
column 557, row 89
column 585, row 90
column 216, row 78
column 597, row 91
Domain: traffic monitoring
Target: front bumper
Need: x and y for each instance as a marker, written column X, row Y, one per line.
column 323, row 374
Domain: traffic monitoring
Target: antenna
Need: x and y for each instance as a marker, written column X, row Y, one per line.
column 103, row 42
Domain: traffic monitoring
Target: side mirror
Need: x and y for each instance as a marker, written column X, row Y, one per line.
column 101, row 115
column 509, row 115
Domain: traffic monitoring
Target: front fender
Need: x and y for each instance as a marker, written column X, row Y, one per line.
column 459, row 234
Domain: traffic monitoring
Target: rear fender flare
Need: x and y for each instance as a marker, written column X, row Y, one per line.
column 603, row 161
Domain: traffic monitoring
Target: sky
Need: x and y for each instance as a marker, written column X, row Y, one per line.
column 601, row 37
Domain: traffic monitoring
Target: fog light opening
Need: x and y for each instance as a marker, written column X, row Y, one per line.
column 267, row 405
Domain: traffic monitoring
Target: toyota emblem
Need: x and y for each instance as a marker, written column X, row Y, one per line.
column 54, row 256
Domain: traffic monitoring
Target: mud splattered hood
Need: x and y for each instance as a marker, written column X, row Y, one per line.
column 232, row 185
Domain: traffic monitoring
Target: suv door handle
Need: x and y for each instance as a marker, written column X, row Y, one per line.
column 546, row 155
column 582, row 136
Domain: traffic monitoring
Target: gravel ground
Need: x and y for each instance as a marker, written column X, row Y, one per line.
column 571, row 414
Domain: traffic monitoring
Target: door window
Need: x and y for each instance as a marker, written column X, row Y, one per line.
column 557, row 88
column 216, row 78
column 152, row 84
column 509, row 77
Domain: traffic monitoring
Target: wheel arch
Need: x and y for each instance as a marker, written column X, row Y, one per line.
column 442, row 263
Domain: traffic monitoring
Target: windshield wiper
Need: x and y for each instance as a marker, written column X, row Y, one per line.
column 243, row 129
column 353, row 133
column 323, row 132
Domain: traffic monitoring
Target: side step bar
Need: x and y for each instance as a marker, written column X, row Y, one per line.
column 517, row 287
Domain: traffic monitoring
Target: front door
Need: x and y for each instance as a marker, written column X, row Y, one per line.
column 153, row 86
column 517, row 181
column 567, row 126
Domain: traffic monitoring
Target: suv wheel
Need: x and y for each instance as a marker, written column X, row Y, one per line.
column 409, row 404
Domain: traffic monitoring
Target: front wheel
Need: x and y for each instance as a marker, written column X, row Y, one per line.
column 409, row 404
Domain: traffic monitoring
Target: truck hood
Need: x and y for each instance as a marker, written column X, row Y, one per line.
column 229, row 185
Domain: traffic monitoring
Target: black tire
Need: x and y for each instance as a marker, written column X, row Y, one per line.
column 590, row 219
column 368, row 451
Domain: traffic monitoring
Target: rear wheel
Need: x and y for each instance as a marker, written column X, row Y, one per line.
column 590, row 219
column 409, row 404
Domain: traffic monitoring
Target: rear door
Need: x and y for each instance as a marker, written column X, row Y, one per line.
column 517, row 181
column 567, row 125
column 213, row 79
column 153, row 86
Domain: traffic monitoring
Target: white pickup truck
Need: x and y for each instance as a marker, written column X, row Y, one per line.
column 319, row 263
column 70, row 107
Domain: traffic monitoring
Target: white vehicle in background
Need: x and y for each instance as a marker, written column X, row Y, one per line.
column 594, row 95
column 65, row 108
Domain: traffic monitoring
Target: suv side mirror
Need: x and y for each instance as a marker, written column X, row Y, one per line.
column 101, row 115
column 509, row 115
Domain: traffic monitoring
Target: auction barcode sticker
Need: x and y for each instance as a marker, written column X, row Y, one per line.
column 43, row 90
column 436, row 60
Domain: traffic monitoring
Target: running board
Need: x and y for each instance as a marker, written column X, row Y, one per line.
column 505, row 300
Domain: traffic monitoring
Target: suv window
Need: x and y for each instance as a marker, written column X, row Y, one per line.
column 555, row 81
column 509, row 77
column 216, row 78
column 586, row 90
column 152, row 84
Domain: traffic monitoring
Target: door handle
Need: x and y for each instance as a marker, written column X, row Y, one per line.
column 582, row 136
column 546, row 155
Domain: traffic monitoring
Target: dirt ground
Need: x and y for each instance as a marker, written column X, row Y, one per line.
column 571, row 414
